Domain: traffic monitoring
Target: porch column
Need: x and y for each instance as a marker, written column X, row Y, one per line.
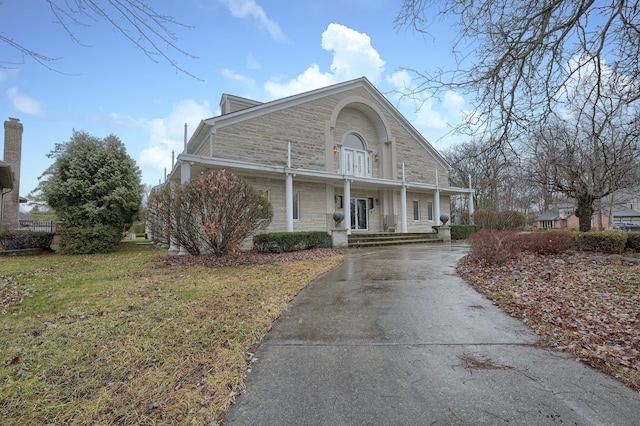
column 471, row 208
column 347, row 205
column 289, row 202
column 436, row 202
column 403, row 208
column 436, row 205
column 185, row 172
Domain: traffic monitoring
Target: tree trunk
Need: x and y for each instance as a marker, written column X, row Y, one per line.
column 584, row 211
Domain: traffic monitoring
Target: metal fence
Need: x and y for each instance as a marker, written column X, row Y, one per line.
column 40, row 225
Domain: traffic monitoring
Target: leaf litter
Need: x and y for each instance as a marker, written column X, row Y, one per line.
column 580, row 303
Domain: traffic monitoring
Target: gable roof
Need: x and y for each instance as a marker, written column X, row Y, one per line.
column 209, row 125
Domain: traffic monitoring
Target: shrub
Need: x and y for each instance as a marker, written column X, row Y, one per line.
column 213, row 213
column 546, row 242
column 21, row 240
column 277, row 242
column 487, row 219
column 158, row 214
column 489, row 247
column 87, row 239
column 633, row 241
column 462, row 232
column 604, row 241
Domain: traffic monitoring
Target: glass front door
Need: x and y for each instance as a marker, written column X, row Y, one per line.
column 359, row 208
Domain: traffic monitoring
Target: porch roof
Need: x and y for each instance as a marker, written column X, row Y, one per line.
column 6, row 176
column 203, row 164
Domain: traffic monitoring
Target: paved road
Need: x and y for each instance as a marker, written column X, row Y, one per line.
column 393, row 337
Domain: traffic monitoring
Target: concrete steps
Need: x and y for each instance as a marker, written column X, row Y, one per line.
column 391, row 238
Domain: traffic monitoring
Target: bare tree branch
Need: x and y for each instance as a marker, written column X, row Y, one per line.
column 136, row 20
column 520, row 51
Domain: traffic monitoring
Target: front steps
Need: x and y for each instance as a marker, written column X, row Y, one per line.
column 391, row 238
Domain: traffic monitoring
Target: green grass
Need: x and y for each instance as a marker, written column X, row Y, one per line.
column 120, row 339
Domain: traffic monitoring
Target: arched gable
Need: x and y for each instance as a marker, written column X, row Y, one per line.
column 369, row 109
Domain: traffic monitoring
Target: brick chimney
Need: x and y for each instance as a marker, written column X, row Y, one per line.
column 12, row 156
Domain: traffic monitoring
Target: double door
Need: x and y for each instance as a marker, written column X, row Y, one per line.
column 359, row 213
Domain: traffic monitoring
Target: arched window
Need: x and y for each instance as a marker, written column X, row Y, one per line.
column 356, row 160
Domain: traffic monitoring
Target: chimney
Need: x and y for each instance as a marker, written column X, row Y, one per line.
column 12, row 156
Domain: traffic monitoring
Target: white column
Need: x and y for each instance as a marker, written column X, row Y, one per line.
column 185, row 172
column 289, row 202
column 347, row 206
column 436, row 202
column 288, row 189
column 403, row 208
column 437, row 206
column 403, row 203
column 470, row 201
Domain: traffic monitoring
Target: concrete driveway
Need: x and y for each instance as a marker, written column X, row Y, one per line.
column 393, row 337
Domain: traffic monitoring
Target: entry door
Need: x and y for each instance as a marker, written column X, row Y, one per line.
column 359, row 207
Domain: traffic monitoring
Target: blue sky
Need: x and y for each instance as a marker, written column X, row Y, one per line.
column 259, row 49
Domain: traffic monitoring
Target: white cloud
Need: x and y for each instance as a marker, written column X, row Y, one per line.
column 249, row 8
column 25, row 104
column 453, row 101
column 167, row 135
column 230, row 75
column 427, row 117
column 353, row 57
column 353, row 54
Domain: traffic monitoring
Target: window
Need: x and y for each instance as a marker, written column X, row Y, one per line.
column 356, row 161
column 430, row 210
column 416, row 210
column 296, row 205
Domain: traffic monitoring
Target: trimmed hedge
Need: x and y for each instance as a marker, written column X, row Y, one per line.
column 546, row 242
column 488, row 219
column 22, row 240
column 604, row 241
column 462, row 232
column 633, row 241
column 278, row 242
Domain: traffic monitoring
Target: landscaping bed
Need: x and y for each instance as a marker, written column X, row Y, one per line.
column 584, row 303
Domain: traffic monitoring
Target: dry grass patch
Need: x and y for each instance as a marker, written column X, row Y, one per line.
column 125, row 339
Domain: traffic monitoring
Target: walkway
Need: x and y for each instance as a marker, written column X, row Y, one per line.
column 393, row 337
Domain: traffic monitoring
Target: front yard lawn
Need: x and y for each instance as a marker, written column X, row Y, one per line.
column 134, row 337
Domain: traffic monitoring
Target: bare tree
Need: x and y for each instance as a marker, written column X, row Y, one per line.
column 485, row 166
column 513, row 55
column 136, row 20
column 584, row 165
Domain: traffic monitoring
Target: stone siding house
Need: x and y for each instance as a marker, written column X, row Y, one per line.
column 340, row 148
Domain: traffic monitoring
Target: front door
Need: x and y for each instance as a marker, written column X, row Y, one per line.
column 359, row 208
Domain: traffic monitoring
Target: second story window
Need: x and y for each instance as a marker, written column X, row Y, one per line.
column 356, row 160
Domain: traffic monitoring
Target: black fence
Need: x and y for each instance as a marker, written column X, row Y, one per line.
column 40, row 225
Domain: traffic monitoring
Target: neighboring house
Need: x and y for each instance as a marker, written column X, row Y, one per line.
column 340, row 148
column 562, row 216
column 623, row 214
